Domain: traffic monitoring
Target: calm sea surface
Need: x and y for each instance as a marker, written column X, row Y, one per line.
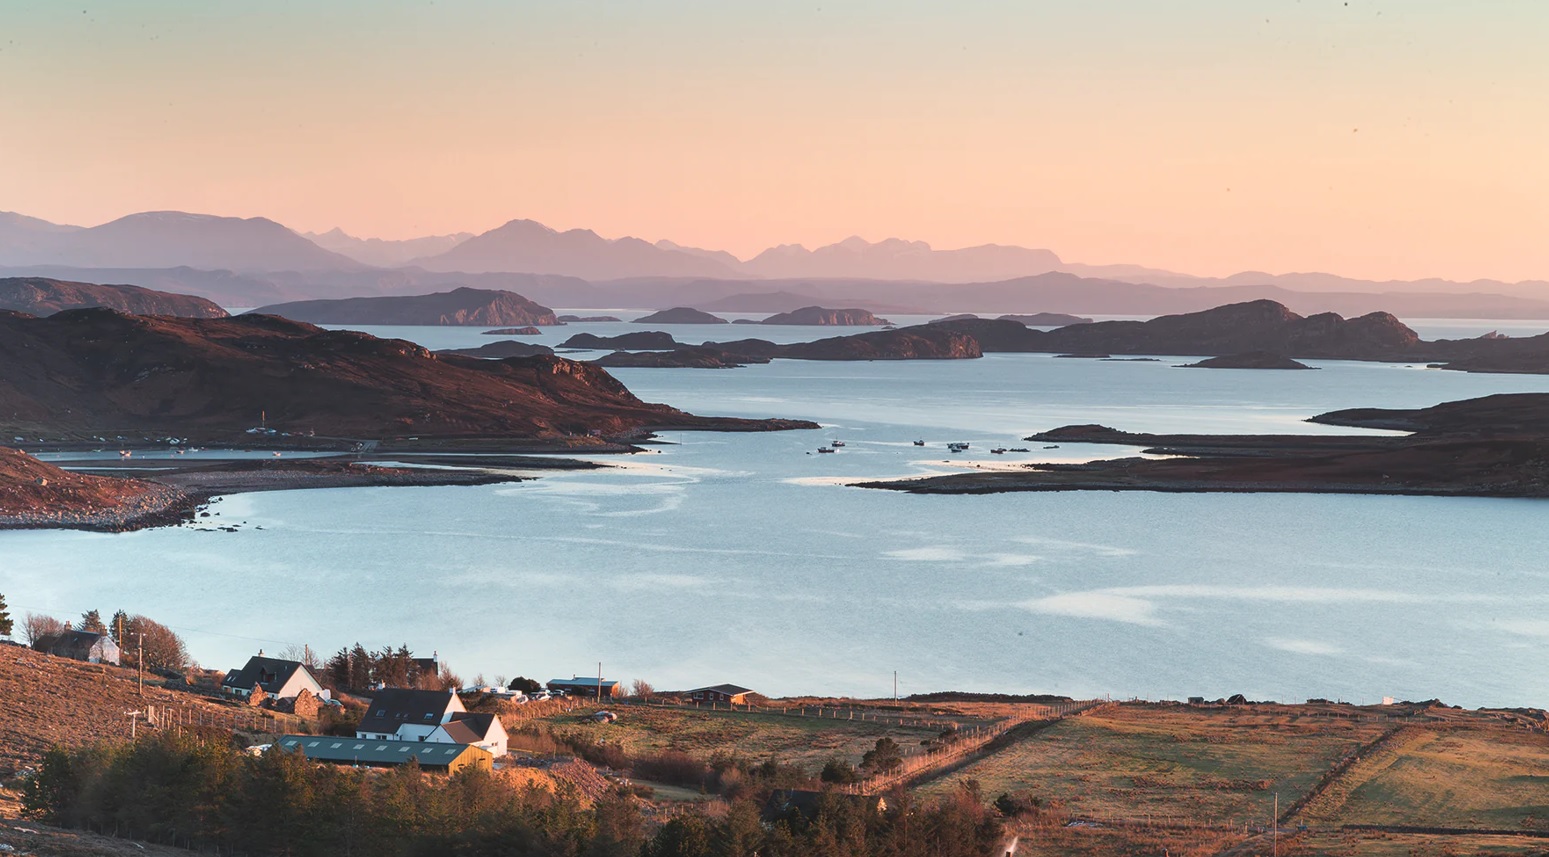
column 742, row 558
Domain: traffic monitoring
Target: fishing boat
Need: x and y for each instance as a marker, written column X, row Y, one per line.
column 919, row 443
column 837, row 443
column 957, row 446
column 999, row 450
column 826, row 449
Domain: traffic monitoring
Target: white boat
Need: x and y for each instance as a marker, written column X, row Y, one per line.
column 837, row 443
column 957, row 446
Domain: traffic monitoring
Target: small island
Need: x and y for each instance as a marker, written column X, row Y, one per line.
column 643, row 340
column 816, row 315
column 529, row 330
column 500, row 350
column 586, row 318
column 1248, row 360
column 680, row 315
column 460, row 306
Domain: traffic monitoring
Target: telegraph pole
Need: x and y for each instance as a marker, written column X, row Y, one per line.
column 1275, row 840
column 895, row 685
column 139, row 660
column 599, row 682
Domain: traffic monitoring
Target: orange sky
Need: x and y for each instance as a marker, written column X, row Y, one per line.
column 1372, row 139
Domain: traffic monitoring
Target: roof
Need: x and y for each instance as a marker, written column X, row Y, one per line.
column 393, row 707
column 728, row 689
column 470, row 727
column 580, row 682
column 85, row 639
column 270, row 673
column 366, row 752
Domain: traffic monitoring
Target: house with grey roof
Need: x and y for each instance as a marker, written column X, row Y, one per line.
column 279, row 678
column 408, row 715
column 372, row 753
column 479, row 729
column 80, row 645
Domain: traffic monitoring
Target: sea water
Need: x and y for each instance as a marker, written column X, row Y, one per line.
column 746, row 558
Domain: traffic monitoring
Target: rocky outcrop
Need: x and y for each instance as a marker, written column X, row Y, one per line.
column 1248, row 360
column 680, row 315
column 529, row 330
column 500, row 350
column 645, row 339
column 962, row 316
column 460, row 306
column 43, row 296
column 89, row 372
column 35, row 494
column 816, row 315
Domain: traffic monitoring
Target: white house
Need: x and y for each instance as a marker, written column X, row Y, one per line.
column 408, row 715
column 279, row 679
column 482, row 730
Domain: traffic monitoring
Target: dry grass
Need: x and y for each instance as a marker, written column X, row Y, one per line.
column 1362, row 844
column 806, row 741
column 1212, row 765
column 1484, row 775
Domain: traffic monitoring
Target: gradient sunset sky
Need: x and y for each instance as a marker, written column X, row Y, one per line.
column 1393, row 139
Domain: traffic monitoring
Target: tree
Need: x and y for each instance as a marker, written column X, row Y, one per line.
column 91, row 621
column 839, row 771
column 525, row 685
column 884, row 757
column 6, row 624
column 163, row 649
column 642, row 689
column 36, row 626
column 304, row 655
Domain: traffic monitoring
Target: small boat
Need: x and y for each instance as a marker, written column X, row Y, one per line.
column 999, row 450
column 1054, row 446
column 1018, row 449
column 919, row 443
column 837, row 443
column 826, row 449
column 956, row 446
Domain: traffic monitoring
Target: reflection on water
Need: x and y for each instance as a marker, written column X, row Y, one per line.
column 742, row 558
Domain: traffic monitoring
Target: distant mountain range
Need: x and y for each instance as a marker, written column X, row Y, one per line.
column 384, row 253
column 165, row 239
column 254, row 261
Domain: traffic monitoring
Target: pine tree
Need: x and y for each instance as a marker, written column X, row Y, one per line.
column 5, row 618
column 91, row 621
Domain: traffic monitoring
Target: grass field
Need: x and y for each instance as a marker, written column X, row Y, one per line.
column 1348, row 844
column 1479, row 776
column 807, row 741
column 1172, row 762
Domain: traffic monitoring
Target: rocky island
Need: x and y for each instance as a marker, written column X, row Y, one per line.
column 816, row 315
column 1248, row 360
column 566, row 319
column 1496, row 446
column 529, row 330
column 460, row 306
column 680, row 315
column 500, row 350
column 44, row 296
column 641, row 340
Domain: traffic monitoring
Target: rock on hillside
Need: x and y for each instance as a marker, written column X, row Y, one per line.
column 680, row 315
column 1248, row 360
column 821, row 316
column 460, row 306
column 43, row 296
column 88, row 372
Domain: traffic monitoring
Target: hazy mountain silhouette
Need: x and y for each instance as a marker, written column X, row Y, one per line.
column 168, row 239
column 530, row 247
column 381, row 252
column 896, row 259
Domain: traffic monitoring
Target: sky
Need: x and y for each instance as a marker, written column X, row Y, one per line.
column 1370, row 138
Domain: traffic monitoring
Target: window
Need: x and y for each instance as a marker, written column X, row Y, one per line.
column 336, row 745
column 403, row 749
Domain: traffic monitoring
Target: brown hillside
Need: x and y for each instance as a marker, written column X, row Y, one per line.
column 99, row 372
column 44, row 296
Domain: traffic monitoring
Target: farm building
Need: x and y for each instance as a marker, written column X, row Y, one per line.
column 584, row 687
column 439, row 758
column 729, row 693
column 81, row 646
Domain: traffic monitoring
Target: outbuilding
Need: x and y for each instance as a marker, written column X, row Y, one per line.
column 438, row 758
column 728, row 693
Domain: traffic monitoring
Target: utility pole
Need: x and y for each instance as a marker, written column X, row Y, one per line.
column 599, row 682
column 139, row 660
column 1275, row 839
column 895, row 685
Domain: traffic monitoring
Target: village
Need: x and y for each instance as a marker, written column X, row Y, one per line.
column 1060, row 775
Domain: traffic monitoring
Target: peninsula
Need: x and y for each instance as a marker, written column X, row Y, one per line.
column 460, row 306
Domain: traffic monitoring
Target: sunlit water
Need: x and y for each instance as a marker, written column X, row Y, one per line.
column 743, row 558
